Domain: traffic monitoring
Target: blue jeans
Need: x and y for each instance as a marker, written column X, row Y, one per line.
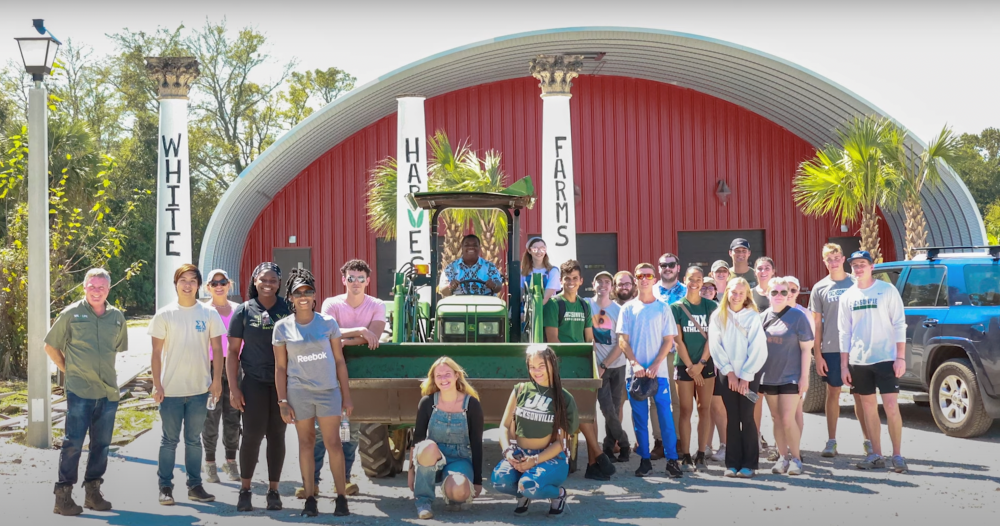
column 175, row 411
column 83, row 415
column 427, row 477
column 350, row 448
column 540, row 482
column 640, row 420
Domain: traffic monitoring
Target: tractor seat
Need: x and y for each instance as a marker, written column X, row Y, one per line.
column 468, row 304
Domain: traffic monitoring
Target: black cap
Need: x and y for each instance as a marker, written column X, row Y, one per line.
column 739, row 242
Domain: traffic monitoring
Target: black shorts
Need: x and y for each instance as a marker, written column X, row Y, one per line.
column 681, row 374
column 783, row 389
column 868, row 378
column 720, row 385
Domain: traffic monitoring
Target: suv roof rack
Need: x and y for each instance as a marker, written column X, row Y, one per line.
column 933, row 252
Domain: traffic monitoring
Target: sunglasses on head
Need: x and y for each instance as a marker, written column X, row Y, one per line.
column 776, row 292
column 644, row 276
column 358, row 279
column 219, row 283
column 668, row 265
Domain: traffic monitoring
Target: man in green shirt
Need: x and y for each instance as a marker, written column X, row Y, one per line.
column 84, row 342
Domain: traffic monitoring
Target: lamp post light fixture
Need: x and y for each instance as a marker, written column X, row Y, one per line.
column 722, row 191
column 38, row 54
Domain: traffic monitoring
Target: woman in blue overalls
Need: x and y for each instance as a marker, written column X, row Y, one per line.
column 448, row 439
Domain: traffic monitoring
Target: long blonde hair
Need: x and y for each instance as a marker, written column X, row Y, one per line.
column 724, row 304
column 428, row 387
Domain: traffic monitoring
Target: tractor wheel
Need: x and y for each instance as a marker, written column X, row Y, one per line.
column 376, row 449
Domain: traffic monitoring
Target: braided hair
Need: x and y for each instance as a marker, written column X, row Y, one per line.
column 263, row 267
column 296, row 278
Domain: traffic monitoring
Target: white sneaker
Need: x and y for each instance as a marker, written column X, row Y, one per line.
column 780, row 467
column 424, row 512
column 794, row 467
column 720, row 454
column 868, row 447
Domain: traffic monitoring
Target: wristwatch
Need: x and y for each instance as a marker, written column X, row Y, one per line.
column 703, row 361
column 602, row 366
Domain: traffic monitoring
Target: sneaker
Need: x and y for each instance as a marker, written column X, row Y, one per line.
column 780, row 467
column 899, row 464
column 424, row 511
column 674, row 470
column 773, row 455
column 594, row 473
column 211, row 473
column 645, row 466
column 745, row 473
column 243, row 504
column 605, row 464
column 872, row 461
column 708, row 452
column 795, row 467
column 623, row 455
column 273, row 500
column 311, row 509
column 350, row 489
column 558, row 504
column 763, row 444
column 198, row 494
column 867, row 444
column 232, row 470
column 830, row 450
column 687, row 464
column 340, row 509
column 522, row 505
column 720, row 454
column 657, row 452
column 166, row 496
column 731, row 473
column 300, row 493
column 699, row 461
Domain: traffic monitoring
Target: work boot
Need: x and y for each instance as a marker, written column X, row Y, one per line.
column 211, row 470
column 657, row 452
column 232, row 470
column 64, row 502
column 95, row 499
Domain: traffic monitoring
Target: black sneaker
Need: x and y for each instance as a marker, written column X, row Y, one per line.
column 673, row 470
column 687, row 464
column 699, row 461
column 198, row 494
column 606, row 464
column 594, row 472
column 311, row 509
column 645, row 466
column 558, row 504
column 166, row 496
column 341, row 507
column 624, row 455
column 273, row 500
column 522, row 505
column 243, row 504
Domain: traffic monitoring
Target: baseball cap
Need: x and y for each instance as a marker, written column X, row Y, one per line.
column 708, row 281
column 793, row 280
column 739, row 242
column 212, row 274
column 605, row 273
column 719, row 264
column 860, row 254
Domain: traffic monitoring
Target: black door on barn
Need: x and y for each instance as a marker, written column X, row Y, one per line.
column 848, row 245
column 596, row 253
column 289, row 258
column 385, row 266
column 705, row 247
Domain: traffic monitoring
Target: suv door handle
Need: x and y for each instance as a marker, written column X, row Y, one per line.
column 930, row 322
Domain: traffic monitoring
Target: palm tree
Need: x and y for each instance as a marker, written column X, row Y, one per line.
column 854, row 178
column 915, row 172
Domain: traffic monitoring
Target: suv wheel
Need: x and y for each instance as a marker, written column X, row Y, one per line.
column 955, row 400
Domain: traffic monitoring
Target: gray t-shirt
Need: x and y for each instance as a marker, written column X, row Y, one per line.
column 604, row 329
column 825, row 299
column 749, row 275
column 311, row 364
column 784, row 356
column 646, row 324
column 762, row 301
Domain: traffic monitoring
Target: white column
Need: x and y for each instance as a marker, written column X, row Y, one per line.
column 173, row 182
column 413, row 230
column 39, row 386
column 555, row 73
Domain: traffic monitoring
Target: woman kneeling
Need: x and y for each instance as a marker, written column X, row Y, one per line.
column 448, row 439
column 541, row 414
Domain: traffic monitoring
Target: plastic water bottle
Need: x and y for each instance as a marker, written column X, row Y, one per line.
column 211, row 402
column 345, row 428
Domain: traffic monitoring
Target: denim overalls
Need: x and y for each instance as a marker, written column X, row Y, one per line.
column 450, row 431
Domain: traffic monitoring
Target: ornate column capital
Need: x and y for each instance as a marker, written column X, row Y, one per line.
column 555, row 72
column 173, row 75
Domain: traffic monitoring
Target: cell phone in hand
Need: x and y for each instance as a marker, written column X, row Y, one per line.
column 518, row 455
column 752, row 396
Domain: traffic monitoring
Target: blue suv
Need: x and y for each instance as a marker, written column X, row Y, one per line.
column 952, row 302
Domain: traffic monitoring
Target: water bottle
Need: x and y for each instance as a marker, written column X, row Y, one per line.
column 211, row 402
column 345, row 429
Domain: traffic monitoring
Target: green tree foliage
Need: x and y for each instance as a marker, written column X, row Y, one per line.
column 978, row 163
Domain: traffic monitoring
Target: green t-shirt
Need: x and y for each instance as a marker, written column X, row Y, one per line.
column 693, row 339
column 573, row 323
column 534, row 414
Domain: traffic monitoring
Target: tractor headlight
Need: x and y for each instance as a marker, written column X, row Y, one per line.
column 489, row 328
column 454, row 327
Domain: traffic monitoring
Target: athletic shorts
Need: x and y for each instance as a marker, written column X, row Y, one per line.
column 720, row 385
column 315, row 404
column 868, row 378
column 833, row 377
column 681, row 374
column 783, row 389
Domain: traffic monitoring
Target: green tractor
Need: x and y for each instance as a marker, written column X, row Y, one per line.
column 485, row 334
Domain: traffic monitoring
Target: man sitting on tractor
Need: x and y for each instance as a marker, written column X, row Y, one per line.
column 471, row 275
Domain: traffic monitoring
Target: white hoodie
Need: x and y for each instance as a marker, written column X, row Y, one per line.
column 733, row 351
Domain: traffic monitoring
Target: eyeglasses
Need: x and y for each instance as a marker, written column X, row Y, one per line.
column 668, row 265
column 776, row 292
column 645, row 276
column 220, row 283
column 356, row 279
column 303, row 293
column 625, row 285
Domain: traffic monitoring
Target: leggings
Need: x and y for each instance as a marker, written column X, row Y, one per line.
column 742, row 447
column 261, row 417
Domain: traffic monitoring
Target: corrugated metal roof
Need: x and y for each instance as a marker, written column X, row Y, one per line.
column 799, row 100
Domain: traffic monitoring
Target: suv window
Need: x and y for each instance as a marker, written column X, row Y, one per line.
column 923, row 287
column 982, row 282
column 888, row 275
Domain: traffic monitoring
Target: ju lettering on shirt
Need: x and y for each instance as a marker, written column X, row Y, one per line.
column 871, row 322
column 784, row 355
column 534, row 413
column 254, row 325
column 825, row 299
column 572, row 325
column 646, row 324
column 311, row 364
column 370, row 310
column 693, row 339
column 186, row 333
column 604, row 327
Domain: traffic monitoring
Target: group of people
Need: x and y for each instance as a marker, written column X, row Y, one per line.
column 671, row 341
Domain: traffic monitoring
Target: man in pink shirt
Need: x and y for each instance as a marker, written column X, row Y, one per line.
column 361, row 319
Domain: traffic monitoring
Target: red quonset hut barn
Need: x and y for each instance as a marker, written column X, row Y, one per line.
column 658, row 120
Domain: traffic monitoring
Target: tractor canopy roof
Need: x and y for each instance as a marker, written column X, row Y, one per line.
column 517, row 196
